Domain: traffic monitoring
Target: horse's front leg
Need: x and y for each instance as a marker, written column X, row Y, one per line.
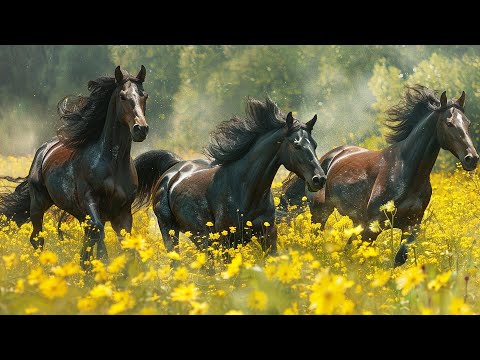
column 402, row 253
column 94, row 233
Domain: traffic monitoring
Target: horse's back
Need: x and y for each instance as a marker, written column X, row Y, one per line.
column 339, row 153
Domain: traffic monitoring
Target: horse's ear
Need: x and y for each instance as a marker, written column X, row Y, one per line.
column 443, row 99
column 118, row 75
column 461, row 99
column 141, row 74
column 289, row 120
column 311, row 123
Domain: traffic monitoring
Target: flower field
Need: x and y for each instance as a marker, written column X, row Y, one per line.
column 314, row 272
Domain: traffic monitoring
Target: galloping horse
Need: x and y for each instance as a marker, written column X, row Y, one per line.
column 87, row 169
column 359, row 181
column 236, row 186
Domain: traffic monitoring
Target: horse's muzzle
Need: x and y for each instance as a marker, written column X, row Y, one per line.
column 318, row 182
column 139, row 133
column 470, row 162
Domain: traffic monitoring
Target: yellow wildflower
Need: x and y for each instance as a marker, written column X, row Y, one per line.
column 53, row 287
column 48, row 258
column 185, row 293
column 257, row 300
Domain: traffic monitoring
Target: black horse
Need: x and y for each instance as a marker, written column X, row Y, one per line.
column 87, row 170
column 236, row 186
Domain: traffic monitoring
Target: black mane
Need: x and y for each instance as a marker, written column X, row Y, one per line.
column 232, row 139
column 416, row 104
column 84, row 116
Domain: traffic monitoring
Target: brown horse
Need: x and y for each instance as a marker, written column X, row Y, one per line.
column 87, row 170
column 236, row 186
column 359, row 181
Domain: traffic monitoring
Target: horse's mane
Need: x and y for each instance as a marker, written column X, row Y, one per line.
column 232, row 139
column 417, row 102
column 84, row 116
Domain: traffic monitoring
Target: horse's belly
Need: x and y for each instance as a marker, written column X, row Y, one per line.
column 60, row 184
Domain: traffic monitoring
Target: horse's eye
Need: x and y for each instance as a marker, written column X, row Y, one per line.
column 450, row 124
column 297, row 145
column 123, row 97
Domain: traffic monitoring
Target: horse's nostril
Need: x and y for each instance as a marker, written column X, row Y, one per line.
column 136, row 128
column 318, row 181
column 469, row 158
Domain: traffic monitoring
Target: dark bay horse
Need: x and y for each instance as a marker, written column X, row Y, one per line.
column 359, row 181
column 236, row 186
column 87, row 169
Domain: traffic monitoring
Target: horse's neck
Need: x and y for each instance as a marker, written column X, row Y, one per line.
column 420, row 149
column 257, row 169
column 115, row 140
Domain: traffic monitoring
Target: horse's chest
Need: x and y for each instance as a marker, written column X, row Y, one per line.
column 117, row 194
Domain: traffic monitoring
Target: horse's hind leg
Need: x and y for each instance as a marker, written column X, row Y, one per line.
column 40, row 202
column 166, row 220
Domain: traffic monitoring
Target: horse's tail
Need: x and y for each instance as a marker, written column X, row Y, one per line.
column 16, row 205
column 150, row 166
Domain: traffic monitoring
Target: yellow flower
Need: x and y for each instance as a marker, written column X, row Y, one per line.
column 440, row 281
column 198, row 308
column 35, row 276
column 10, row 260
column 284, row 273
column 276, row 201
column 234, row 267
column 214, row 236
column 257, row 300
column 292, row 310
column 459, row 307
column 266, row 224
column 101, row 290
column 249, row 223
column 53, row 287
column 146, row 254
column 380, row 278
column 148, row 311
column 181, row 273
column 133, row 242
column 164, row 272
column 68, row 269
column 224, row 232
column 409, row 279
column 31, row 310
column 199, row 262
column 86, row 304
column 388, row 207
column 20, row 286
column 353, row 231
column 117, row 264
column 375, row 226
column 173, row 255
column 48, row 258
column 304, row 198
column 233, row 229
column 171, row 232
column 123, row 302
column 188, row 234
column 234, row 312
column 209, row 223
column 185, row 293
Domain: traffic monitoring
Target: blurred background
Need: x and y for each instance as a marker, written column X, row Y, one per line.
column 193, row 88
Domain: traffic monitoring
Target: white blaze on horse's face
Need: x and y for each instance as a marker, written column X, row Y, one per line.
column 453, row 133
column 131, row 103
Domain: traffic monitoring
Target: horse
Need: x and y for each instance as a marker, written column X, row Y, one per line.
column 233, row 187
column 359, row 181
column 87, row 170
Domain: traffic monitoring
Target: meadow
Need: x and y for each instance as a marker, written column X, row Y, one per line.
column 314, row 272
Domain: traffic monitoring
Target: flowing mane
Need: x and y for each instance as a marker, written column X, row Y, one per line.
column 232, row 139
column 84, row 116
column 416, row 104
